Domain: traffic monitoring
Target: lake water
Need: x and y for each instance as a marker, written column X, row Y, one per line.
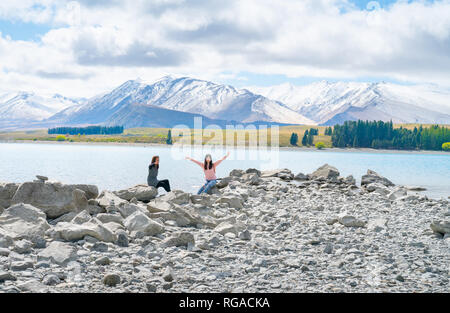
column 113, row 167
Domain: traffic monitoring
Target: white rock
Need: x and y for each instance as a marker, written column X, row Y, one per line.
column 140, row 192
column 23, row 221
column 58, row 252
column 139, row 222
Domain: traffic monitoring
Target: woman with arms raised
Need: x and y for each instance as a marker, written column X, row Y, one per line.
column 152, row 178
column 209, row 168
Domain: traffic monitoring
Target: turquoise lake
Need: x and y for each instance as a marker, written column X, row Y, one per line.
column 114, row 167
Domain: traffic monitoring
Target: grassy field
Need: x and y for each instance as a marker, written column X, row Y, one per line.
column 248, row 137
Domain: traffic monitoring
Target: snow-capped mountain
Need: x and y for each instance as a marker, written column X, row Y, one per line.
column 188, row 95
column 21, row 108
column 330, row 103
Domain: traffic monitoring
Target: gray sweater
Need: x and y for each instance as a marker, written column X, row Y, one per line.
column 152, row 179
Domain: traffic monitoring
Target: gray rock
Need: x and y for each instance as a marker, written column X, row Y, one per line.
column 23, row 221
column 325, row 171
column 7, row 191
column 223, row 182
column 140, row 192
column 168, row 275
column 232, row 201
column 138, row 222
column 54, row 199
column 225, row 227
column 42, row 178
column 300, row 177
column 23, row 246
column 75, row 232
column 58, row 252
column 157, row 205
column 111, row 279
column 397, row 194
column 4, row 276
column 441, row 227
column 81, row 218
column 176, row 197
column 179, row 239
column 122, row 239
column 51, row 280
column 128, row 209
column 21, row 265
column 33, row 287
column 377, row 224
column 328, row 248
column 251, row 179
column 108, row 198
column 351, row 221
column 100, row 247
column 108, row 218
column 104, row 260
column 374, row 177
column 237, row 173
column 4, row 252
column 245, row 235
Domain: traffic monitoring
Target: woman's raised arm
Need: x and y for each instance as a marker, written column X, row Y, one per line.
column 220, row 161
column 195, row 161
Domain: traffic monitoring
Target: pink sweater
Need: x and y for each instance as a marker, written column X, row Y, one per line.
column 210, row 174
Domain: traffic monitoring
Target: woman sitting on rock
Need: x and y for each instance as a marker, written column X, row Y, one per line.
column 209, row 167
column 152, row 178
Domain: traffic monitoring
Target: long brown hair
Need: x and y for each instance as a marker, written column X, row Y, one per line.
column 211, row 164
column 154, row 160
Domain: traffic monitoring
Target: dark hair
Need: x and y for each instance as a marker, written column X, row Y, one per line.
column 154, row 160
column 210, row 162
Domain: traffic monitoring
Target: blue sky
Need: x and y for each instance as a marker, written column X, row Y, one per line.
column 19, row 30
column 242, row 43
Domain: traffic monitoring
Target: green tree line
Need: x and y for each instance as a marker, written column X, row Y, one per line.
column 383, row 135
column 89, row 130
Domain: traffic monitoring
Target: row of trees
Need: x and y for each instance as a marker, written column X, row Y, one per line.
column 383, row 135
column 308, row 137
column 89, row 130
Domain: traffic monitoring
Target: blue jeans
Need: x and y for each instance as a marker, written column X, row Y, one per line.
column 207, row 186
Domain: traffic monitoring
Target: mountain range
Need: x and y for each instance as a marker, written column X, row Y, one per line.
column 171, row 101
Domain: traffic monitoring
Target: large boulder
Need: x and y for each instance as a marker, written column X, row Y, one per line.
column 251, row 179
column 139, row 222
column 58, row 252
column 374, row 177
column 223, row 182
column 7, row 191
column 23, row 221
column 158, row 205
column 140, row 192
column 284, row 174
column 325, row 171
column 176, row 197
column 75, row 232
column 128, row 209
column 232, row 201
column 108, row 198
column 55, row 199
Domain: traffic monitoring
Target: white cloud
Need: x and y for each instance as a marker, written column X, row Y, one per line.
column 96, row 45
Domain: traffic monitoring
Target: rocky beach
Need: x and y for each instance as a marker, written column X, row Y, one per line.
column 270, row 231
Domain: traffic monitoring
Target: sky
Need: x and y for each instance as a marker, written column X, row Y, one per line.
column 86, row 47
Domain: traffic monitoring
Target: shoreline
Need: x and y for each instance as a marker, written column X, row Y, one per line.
column 300, row 149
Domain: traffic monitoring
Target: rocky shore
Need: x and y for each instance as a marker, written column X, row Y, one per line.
column 273, row 231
